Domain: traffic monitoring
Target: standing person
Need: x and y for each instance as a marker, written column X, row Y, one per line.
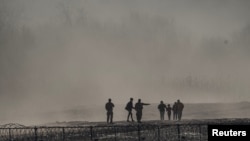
column 109, row 107
column 180, row 107
column 169, row 111
column 174, row 108
column 162, row 108
column 129, row 108
column 138, row 108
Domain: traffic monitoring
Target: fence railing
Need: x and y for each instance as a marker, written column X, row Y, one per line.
column 129, row 132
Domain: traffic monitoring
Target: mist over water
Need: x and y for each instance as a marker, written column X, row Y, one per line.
column 56, row 55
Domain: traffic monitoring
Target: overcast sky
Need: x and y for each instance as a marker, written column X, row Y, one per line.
column 60, row 53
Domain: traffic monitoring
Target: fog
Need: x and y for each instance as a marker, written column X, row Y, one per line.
column 60, row 54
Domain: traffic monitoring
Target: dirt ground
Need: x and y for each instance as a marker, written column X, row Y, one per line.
column 222, row 121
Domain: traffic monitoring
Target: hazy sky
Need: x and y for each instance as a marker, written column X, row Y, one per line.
column 60, row 53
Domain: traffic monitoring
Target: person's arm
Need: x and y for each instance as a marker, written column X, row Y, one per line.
column 133, row 107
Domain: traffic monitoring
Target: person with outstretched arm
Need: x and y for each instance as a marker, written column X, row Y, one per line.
column 138, row 107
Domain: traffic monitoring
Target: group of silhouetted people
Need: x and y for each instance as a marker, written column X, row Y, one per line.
column 177, row 110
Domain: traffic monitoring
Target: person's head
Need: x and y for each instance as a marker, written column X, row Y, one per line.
column 161, row 102
column 131, row 99
column 139, row 100
column 168, row 105
column 178, row 100
column 109, row 99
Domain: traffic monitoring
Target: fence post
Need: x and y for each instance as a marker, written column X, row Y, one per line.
column 35, row 133
column 178, row 130
column 9, row 134
column 200, row 131
column 139, row 132
column 91, row 132
column 115, row 133
column 159, row 134
column 63, row 134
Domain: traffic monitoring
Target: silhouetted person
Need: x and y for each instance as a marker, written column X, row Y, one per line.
column 162, row 108
column 109, row 107
column 138, row 108
column 168, row 109
column 174, row 108
column 180, row 107
column 129, row 108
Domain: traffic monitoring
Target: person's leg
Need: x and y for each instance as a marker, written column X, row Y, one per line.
column 162, row 115
column 128, row 116
column 111, row 117
column 137, row 116
column 140, row 116
column 179, row 115
column 131, row 114
column 107, row 117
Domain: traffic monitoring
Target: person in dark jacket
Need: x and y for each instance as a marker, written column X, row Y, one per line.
column 109, row 108
column 138, row 108
column 162, row 107
column 169, row 111
column 180, row 107
column 129, row 108
column 174, row 108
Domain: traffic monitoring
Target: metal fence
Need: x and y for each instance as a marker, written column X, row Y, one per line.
column 130, row 132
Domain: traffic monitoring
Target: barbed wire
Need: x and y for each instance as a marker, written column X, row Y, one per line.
column 129, row 132
column 12, row 125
